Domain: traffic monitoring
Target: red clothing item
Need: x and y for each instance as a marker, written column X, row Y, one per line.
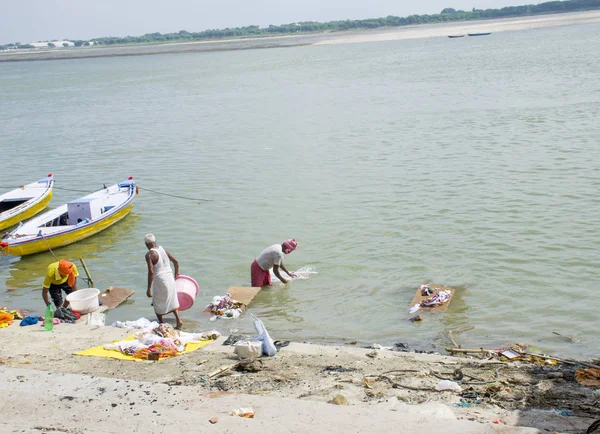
column 258, row 276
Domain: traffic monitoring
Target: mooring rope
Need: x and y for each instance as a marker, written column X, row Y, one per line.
column 141, row 188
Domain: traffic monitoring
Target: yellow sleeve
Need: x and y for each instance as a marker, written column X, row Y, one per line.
column 75, row 270
column 47, row 280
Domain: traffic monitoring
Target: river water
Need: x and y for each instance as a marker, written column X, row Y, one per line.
column 467, row 162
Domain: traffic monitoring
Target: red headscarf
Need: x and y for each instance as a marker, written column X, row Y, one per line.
column 289, row 246
column 65, row 268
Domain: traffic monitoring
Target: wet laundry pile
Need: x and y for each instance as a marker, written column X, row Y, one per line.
column 436, row 297
column 225, row 307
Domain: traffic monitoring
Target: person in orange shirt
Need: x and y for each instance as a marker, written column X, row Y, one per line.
column 60, row 276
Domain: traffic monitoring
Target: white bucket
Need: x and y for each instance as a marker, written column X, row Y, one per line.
column 84, row 300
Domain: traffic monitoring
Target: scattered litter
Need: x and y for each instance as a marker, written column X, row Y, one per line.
column 465, row 404
column 368, row 382
column 339, row 400
column 569, row 338
column 336, row 368
column 562, row 412
column 280, row 344
column 268, row 347
column 593, row 427
column 448, row 385
column 243, row 412
column 96, row 319
column 249, row 365
column 372, row 354
column 213, row 420
column 223, row 370
column 232, row 339
column 510, row 354
column 588, row 377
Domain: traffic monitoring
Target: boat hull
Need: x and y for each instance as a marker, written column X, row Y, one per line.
column 42, row 244
column 31, row 198
column 28, row 213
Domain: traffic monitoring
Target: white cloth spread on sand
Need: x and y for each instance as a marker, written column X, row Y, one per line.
column 142, row 323
column 164, row 291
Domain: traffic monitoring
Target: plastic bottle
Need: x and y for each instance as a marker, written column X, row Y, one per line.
column 49, row 318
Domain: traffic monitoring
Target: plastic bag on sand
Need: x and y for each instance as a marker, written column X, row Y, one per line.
column 268, row 347
column 448, row 385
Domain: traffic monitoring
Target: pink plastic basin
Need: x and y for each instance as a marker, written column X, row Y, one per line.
column 187, row 290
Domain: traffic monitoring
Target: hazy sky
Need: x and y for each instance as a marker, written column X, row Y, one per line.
column 39, row 20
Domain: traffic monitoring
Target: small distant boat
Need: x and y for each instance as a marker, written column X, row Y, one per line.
column 25, row 202
column 479, row 34
column 456, row 36
column 71, row 222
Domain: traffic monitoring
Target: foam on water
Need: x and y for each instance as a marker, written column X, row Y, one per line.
column 301, row 273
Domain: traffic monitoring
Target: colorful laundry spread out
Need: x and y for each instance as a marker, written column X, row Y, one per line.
column 156, row 342
column 8, row 316
column 225, row 307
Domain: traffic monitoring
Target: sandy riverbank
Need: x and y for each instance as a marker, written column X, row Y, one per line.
column 53, row 390
column 358, row 36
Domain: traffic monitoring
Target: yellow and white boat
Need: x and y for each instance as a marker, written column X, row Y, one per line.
column 25, row 202
column 71, row 222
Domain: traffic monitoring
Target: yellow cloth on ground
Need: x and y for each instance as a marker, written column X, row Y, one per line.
column 99, row 351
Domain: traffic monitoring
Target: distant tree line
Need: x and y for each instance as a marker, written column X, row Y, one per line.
column 446, row 15
column 16, row 45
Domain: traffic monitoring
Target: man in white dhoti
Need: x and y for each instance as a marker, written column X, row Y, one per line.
column 161, row 281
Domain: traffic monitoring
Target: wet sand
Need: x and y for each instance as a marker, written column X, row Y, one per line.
column 359, row 36
column 53, row 390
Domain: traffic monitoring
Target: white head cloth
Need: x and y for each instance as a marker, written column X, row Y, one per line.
column 149, row 239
